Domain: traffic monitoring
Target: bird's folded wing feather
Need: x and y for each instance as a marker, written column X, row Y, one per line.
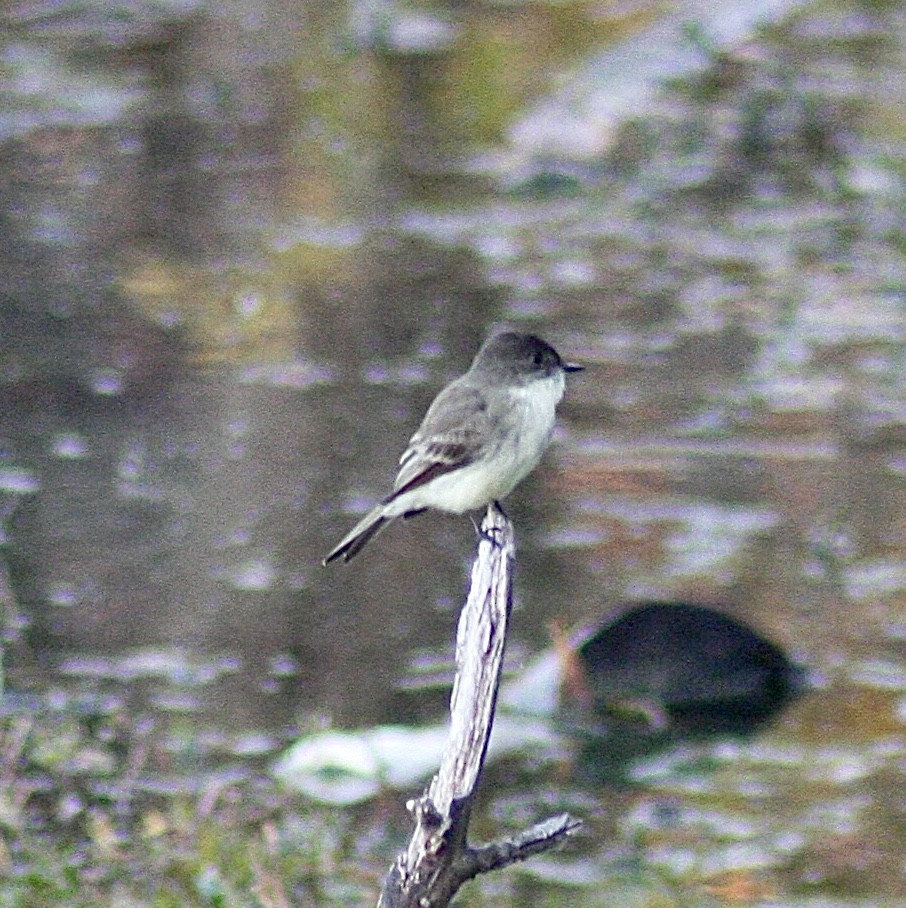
column 448, row 438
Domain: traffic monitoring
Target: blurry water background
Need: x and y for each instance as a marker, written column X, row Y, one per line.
column 242, row 245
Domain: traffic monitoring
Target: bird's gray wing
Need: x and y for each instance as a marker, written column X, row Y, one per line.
column 450, row 437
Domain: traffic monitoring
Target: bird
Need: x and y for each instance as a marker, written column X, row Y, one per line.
column 482, row 435
column 700, row 670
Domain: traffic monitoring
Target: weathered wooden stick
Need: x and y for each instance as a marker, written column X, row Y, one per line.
column 439, row 859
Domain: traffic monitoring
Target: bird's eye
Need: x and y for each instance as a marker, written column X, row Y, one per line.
column 537, row 359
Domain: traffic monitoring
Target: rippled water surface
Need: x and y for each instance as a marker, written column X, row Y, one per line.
column 243, row 247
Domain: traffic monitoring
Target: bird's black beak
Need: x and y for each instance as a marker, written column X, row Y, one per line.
column 572, row 367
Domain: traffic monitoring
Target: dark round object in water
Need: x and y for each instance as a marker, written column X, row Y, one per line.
column 705, row 670
column 664, row 672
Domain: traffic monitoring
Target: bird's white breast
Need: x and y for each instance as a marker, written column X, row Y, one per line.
column 527, row 423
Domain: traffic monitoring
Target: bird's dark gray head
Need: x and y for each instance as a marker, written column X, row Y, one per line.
column 519, row 357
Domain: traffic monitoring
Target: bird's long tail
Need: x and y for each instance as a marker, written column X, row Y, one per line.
column 359, row 536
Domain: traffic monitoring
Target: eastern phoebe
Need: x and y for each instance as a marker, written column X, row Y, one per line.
column 482, row 435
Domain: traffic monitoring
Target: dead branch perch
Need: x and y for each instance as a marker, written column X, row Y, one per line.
column 439, row 859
